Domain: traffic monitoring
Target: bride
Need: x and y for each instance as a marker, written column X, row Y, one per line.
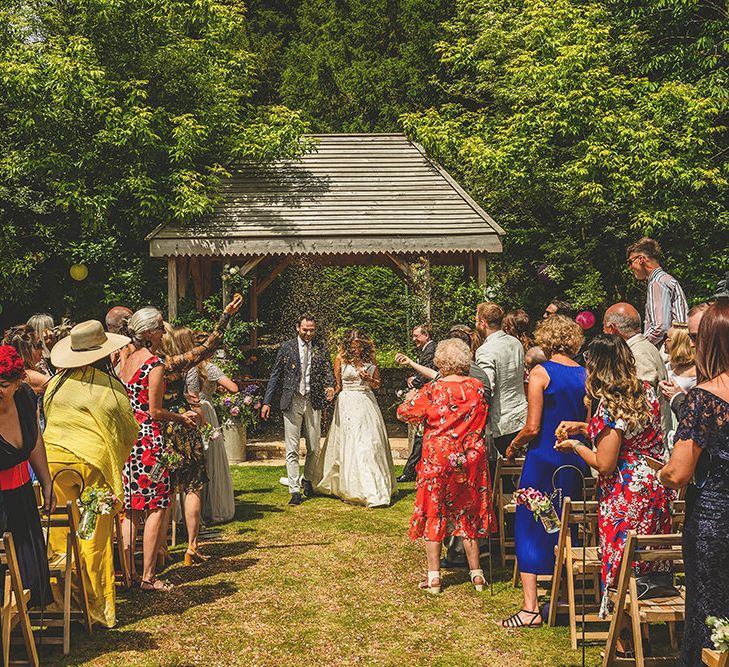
column 355, row 462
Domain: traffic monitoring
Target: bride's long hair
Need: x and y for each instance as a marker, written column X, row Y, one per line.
column 347, row 352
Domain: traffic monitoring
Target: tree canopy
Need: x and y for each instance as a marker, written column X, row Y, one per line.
column 117, row 116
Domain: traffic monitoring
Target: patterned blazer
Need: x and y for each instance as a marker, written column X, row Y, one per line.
column 286, row 374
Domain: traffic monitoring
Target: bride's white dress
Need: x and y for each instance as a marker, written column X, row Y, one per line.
column 355, row 462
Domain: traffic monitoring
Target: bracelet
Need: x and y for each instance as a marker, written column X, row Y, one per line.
column 575, row 445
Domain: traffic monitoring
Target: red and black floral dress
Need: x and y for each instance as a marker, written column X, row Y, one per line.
column 140, row 492
column 631, row 497
column 453, row 487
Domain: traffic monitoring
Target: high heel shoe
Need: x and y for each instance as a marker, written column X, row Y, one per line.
column 193, row 556
column 477, row 574
column 433, row 576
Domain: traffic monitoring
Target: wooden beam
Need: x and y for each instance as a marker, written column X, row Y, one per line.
column 196, row 272
column 207, row 276
column 482, row 270
column 171, row 288
column 226, row 285
column 182, row 276
column 263, row 285
column 251, row 264
column 401, row 266
column 253, row 311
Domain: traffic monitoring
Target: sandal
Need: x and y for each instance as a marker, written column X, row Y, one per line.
column 433, row 576
column 194, row 556
column 155, row 585
column 514, row 621
column 477, row 574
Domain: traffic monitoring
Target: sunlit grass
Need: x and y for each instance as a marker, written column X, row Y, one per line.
column 322, row 584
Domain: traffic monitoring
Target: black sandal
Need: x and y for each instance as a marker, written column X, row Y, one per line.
column 514, row 621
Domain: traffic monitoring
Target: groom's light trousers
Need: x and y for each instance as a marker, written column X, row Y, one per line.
column 298, row 413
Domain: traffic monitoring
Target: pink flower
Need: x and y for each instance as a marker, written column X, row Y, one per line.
column 257, row 405
column 235, row 411
column 247, row 400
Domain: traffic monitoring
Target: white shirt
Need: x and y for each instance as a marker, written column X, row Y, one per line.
column 305, row 357
column 632, row 339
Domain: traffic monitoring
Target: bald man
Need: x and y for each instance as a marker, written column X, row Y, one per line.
column 623, row 320
column 115, row 318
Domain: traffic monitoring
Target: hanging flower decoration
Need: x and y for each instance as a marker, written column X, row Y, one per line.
column 585, row 319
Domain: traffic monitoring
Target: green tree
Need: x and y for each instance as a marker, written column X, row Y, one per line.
column 350, row 65
column 118, row 116
column 583, row 125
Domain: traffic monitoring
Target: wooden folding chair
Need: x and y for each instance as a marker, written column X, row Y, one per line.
column 577, row 570
column 504, row 505
column 67, row 568
column 714, row 658
column 124, row 577
column 15, row 605
column 644, row 548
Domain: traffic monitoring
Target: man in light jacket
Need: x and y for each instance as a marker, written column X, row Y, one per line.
column 501, row 357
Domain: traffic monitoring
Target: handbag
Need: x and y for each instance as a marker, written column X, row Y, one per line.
column 656, row 585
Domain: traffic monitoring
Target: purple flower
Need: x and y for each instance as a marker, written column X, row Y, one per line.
column 251, row 389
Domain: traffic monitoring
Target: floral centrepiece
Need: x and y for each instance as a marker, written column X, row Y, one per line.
column 242, row 408
column 94, row 501
column 540, row 505
column 719, row 632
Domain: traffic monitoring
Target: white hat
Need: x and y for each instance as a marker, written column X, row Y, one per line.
column 87, row 343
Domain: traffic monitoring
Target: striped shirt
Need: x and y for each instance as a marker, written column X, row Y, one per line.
column 665, row 304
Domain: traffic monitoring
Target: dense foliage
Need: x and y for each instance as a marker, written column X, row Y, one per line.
column 583, row 125
column 117, row 116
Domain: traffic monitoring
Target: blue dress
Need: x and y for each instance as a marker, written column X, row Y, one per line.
column 564, row 400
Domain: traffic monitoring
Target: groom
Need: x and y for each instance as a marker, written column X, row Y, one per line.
column 303, row 371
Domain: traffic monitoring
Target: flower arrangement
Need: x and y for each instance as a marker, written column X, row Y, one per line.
column 94, row 501
column 167, row 459
column 719, row 632
column 541, row 507
column 243, row 407
column 457, row 461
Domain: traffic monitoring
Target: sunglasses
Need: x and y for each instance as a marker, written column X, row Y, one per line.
column 632, row 259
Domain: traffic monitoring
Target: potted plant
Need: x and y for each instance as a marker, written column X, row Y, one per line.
column 237, row 413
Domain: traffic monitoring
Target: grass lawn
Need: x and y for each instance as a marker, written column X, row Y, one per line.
column 321, row 584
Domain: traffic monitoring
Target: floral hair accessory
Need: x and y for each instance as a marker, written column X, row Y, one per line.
column 11, row 363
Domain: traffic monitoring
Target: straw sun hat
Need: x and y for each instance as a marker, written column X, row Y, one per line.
column 87, row 343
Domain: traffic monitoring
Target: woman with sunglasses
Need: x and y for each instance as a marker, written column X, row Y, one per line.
column 701, row 450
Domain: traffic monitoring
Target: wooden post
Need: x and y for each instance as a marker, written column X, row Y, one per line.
column 226, row 288
column 182, row 274
column 425, row 290
column 482, row 270
column 196, row 272
column 171, row 288
column 253, row 312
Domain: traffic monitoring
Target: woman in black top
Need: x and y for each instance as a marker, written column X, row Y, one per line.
column 21, row 443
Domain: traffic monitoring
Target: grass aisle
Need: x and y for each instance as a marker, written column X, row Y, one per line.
column 322, row 584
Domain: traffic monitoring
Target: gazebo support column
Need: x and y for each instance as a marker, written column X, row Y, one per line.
column 171, row 288
column 482, row 270
column 417, row 276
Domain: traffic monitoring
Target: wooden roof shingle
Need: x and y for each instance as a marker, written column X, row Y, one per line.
column 358, row 193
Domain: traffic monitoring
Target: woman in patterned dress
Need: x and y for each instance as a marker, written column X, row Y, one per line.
column 625, row 429
column 143, row 375
column 453, row 488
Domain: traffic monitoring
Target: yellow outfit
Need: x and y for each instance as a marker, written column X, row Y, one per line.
column 90, row 428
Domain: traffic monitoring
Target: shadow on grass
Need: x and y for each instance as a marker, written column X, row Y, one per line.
column 100, row 643
column 295, row 544
column 402, row 494
column 241, row 492
column 252, row 511
column 146, row 604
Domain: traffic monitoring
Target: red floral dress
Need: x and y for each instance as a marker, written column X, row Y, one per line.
column 453, row 487
column 631, row 497
column 140, row 492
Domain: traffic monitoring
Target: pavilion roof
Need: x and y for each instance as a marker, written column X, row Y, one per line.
column 358, row 193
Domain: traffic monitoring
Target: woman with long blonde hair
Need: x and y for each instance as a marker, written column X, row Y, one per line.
column 626, row 434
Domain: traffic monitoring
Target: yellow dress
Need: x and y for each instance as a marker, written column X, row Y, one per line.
column 90, row 428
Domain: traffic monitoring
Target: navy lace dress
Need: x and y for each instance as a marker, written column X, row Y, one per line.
column 705, row 420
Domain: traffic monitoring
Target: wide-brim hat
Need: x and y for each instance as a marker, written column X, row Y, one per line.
column 87, row 343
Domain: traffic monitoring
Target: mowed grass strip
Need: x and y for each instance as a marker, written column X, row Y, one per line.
column 324, row 583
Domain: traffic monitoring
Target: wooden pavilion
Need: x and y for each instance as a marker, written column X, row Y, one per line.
column 358, row 199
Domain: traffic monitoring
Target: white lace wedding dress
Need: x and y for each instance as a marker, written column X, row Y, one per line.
column 355, row 462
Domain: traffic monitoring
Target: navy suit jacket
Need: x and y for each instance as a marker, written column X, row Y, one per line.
column 286, row 374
